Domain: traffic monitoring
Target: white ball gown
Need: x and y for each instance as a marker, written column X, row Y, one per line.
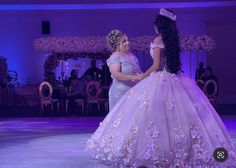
column 164, row 121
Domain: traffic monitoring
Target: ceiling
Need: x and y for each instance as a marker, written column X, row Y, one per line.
column 212, row 10
column 97, row 1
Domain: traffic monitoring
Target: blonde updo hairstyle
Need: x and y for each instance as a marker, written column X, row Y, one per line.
column 114, row 38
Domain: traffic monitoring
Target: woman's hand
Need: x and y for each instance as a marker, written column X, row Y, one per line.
column 136, row 77
column 141, row 77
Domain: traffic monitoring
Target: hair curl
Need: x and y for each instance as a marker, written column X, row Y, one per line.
column 168, row 30
column 114, row 38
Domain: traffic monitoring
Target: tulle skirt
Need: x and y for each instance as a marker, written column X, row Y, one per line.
column 163, row 121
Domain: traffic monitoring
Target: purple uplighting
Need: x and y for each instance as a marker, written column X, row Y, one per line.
column 117, row 83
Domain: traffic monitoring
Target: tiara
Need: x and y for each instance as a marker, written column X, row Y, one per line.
column 167, row 13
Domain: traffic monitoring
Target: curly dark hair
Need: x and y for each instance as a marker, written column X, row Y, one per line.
column 114, row 38
column 169, row 33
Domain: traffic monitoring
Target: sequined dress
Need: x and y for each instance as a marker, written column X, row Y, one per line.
column 129, row 65
column 165, row 121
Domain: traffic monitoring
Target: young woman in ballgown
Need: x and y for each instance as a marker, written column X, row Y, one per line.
column 165, row 120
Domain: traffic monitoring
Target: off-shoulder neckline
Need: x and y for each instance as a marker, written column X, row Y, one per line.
column 118, row 54
column 157, row 45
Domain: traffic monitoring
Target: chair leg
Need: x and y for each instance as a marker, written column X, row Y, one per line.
column 106, row 106
column 98, row 107
column 52, row 106
column 41, row 109
column 90, row 108
column 58, row 106
column 66, row 102
column 83, row 108
column 87, row 109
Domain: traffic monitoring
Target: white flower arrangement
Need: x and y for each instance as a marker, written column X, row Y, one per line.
column 197, row 43
column 94, row 45
column 90, row 45
column 71, row 44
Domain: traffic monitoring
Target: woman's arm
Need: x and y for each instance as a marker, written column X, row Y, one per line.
column 115, row 71
column 156, row 60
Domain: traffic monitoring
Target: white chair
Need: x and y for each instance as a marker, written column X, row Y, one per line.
column 211, row 89
column 80, row 103
column 46, row 100
column 93, row 91
column 200, row 83
column 105, row 104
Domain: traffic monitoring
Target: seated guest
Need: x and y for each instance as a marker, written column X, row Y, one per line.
column 77, row 89
column 51, row 78
column 198, row 75
column 76, row 85
column 93, row 72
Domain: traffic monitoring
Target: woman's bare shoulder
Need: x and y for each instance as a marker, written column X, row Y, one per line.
column 158, row 40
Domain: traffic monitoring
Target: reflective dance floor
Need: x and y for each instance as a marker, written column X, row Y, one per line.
column 55, row 142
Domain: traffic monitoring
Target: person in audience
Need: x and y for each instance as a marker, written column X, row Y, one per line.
column 106, row 74
column 199, row 72
column 209, row 75
column 51, row 78
column 77, row 89
column 106, row 80
column 93, row 72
